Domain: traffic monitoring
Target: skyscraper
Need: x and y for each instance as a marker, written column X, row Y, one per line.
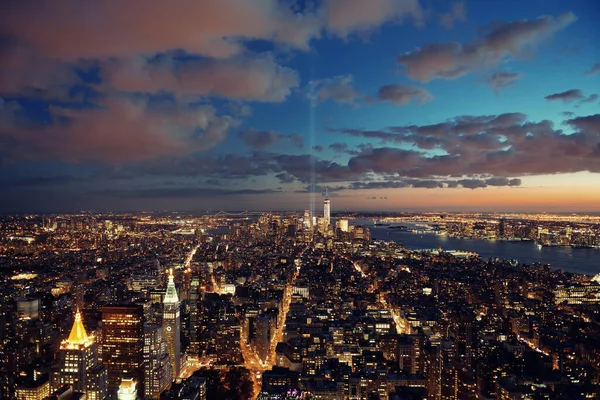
column 79, row 364
column 157, row 365
column 122, row 344
column 327, row 210
column 172, row 325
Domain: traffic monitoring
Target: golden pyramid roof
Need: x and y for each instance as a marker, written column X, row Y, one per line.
column 78, row 334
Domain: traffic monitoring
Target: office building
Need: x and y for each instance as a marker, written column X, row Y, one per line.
column 327, row 211
column 122, row 344
column 157, row 364
column 34, row 390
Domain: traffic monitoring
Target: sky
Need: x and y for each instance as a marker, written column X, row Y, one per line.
column 474, row 105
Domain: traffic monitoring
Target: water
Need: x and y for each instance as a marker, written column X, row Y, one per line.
column 583, row 261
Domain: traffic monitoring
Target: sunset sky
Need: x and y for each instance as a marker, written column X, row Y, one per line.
column 260, row 104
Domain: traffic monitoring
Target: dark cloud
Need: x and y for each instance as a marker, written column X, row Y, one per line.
column 595, row 69
column 433, row 183
column 402, row 94
column 457, row 12
column 497, row 42
column 501, row 79
column 259, row 140
column 214, row 182
column 589, row 125
column 181, row 192
column 566, row 97
column 472, row 183
column 338, row 147
column 284, row 177
column 318, row 148
column 42, row 181
column 590, row 99
column 498, row 145
column 497, row 181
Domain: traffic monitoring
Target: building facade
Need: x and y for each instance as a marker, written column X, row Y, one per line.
column 172, row 325
column 122, row 344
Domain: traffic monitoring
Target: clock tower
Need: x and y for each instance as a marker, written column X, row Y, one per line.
column 172, row 325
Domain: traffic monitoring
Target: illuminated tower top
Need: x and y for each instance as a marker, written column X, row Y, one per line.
column 171, row 295
column 78, row 335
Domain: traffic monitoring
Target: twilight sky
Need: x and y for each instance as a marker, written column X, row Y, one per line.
column 260, row 104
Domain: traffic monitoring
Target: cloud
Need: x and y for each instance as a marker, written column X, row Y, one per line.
column 566, row 97
column 498, row 181
column 458, row 12
column 434, row 183
column 595, row 69
column 284, row 177
column 338, row 147
column 216, row 29
column 317, row 148
column 346, row 16
column 114, row 28
column 257, row 78
column 589, row 125
column 501, row 79
column 179, row 192
column 338, row 89
column 120, row 130
column 469, row 146
column 401, row 94
column 497, row 42
column 40, row 181
column 259, row 140
column 590, row 99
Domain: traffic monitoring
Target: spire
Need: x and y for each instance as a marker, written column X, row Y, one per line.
column 171, row 295
column 78, row 334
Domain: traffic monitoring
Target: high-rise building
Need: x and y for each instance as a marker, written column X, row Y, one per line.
column 172, row 325
column 193, row 307
column 79, row 363
column 157, row 365
column 122, row 344
column 327, row 210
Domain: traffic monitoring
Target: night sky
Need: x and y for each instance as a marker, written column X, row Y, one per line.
column 260, row 104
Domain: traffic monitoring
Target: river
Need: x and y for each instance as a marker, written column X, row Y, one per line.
column 583, row 261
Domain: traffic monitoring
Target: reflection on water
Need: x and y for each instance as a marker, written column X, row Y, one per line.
column 584, row 261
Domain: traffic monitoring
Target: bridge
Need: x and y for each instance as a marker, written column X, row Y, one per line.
column 234, row 214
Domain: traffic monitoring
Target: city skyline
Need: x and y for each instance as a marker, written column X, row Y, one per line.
column 263, row 105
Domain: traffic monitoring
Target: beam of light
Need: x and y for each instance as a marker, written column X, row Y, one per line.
column 311, row 131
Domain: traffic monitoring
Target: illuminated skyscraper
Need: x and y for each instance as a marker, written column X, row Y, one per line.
column 327, row 210
column 157, row 365
column 172, row 325
column 79, row 364
column 122, row 344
